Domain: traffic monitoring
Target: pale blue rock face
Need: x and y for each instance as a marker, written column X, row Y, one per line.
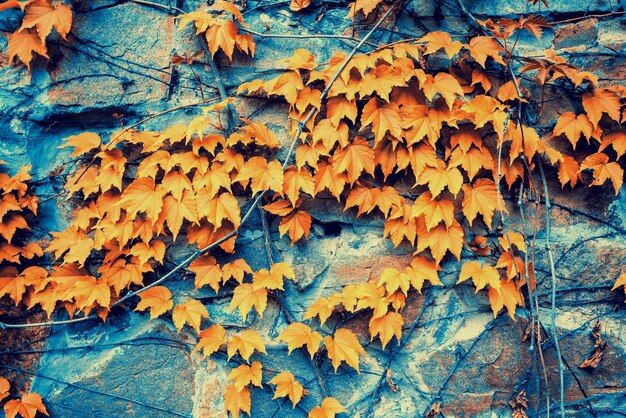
column 117, row 60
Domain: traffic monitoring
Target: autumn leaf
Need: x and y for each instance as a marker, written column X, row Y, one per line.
column 344, row 346
column 297, row 5
column 246, row 342
column 322, row 308
column 330, row 406
column 222, row 35
column 142, row 195
column 44, row 15
column 386, row 327
column 273, row 278
column 298, row 334
column 481, row 197
column 244, row 375
column 237, row 400
column 420, row 269
column 296, row 181
column 246, row 296
column 4, row 388
column 441, row 40
column 356, row 158
column 72, row 244
column 23, row 44
column 27, row 406
column 482, row 47
column 443, row 84
column 441, row 177
column 287, row 386
column 220, row 208
column 617, row 140
column 263, row 176
column 603, row 170
column 297, row 224
column 191, row 312
column 394, row 280
column 383, row 117
column 12, row 284
column 573, row 126
column 158, row 299
column 434, row 210
column 207, row 271
column 326, row 178
column 441, row 240
column 211, row 339
column 601, row 101
column 480, row 275
column 82, row 143
column 508, row 295
column 89, row 291
column 235, row 270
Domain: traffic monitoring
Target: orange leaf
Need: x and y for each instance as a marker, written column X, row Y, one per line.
column 297, row 224
column 386, row 327
column 572, row 126
column 508, row 295
column 82, row 143
column 434, row 210
column 73, row 244
column 354, row 159
column 480, row 275
column 237, row 400
column 4, row 388
column 481, row 197
column 327, row 178
column 246, row 342
column 297, row 5
column 421, row 269
column 264, row 176
column 603, row 170
column 616, row 139
column 142, row 196
column 383, row 117
column 235, row 270
column 23, row 44
column 11, row 284
column 287, row 385
column 245, row 297
column 344, row 346
column 444, row 84
column 441, row 40
column 220, row 208
column 440, row 240
column 45, row 15
column 441, row 177
column 158, row 299
column 298, row 334
column 26, row 407
column 211, row 339
column 295, row 181
column 244, row 375
column 482, row 47
column 599, row 102
column 207, row 272
column 322, row 308
column 191, row 312
column 89, row 291
column 222, row 35
column 330, row 406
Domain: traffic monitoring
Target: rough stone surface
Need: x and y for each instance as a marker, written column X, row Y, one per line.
column 117, row 61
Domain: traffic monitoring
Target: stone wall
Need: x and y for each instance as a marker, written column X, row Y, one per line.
column 117, row 61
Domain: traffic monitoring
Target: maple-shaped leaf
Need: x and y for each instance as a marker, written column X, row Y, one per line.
column 420, row 269
column 400, row 225
column 484, row 109
column 246, row 296
column 211, row 339
column 599, row 102
column 386, row 327
column 617, row 140
column 394, row 280
column 45, row 15
column 10, row 224
column 142, row 196
column 508, row 91
column 481, row 197
column 573, row 126
column 441, row 40
column 235, row 270
column 297, row 5
column 176, row 183
column 273, row 278
column 363, row 197
column 441, row 177
column 280, row 207
column 120, row 274
column 383, row 117
column 207, row 271
column 339, row 107
column 443, row 84
column 26, row 407
column 330, row 406
column 512, row 238
column 434, row 210
column 220, row 208
column 603, row 170
column 523, row 139
column 514, row 265
column 480, row 275
column 209, row 184
column 621, row 281
column 256, row 133
column 73, row 244
column 12, row 284
column 482, row 47
column 23, row 44
column 480, row 77
column 89, row 291
column 222, row 35
column 287, row 386
column 82, row 143
column 237, row 400
column 344, row 346
column 295, row 181
column 508, row 295
column 354, row 160
column 175, row 211
column 326, row 178
column 246, row 342
column 191, row 312
column 298, row 334
column 327, row 134
column 322, row 308
column 297, row 224
column 244, row 375
column 263, row 176
column 440, row 240
column 4, row 388
column 158, row 299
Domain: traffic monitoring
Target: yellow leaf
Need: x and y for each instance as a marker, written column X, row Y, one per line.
column 211, row 339
column 244, row 375
column 297, row 224
column 480, row 275
column 344, row 346
column 481, row 197
column 26, row 407
column 45, row 15
column 386, row 327
column 298, row 334
column 246, row 342
column 158, row 299
column 191, row 312
column 237, row 400
column 440, row 240
column 287, row 385
column 297, row 5
column 508, row 295
column 246, row 296
column 330, row 406
column 222, row 35
column 23, row 44
column 82, row 143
